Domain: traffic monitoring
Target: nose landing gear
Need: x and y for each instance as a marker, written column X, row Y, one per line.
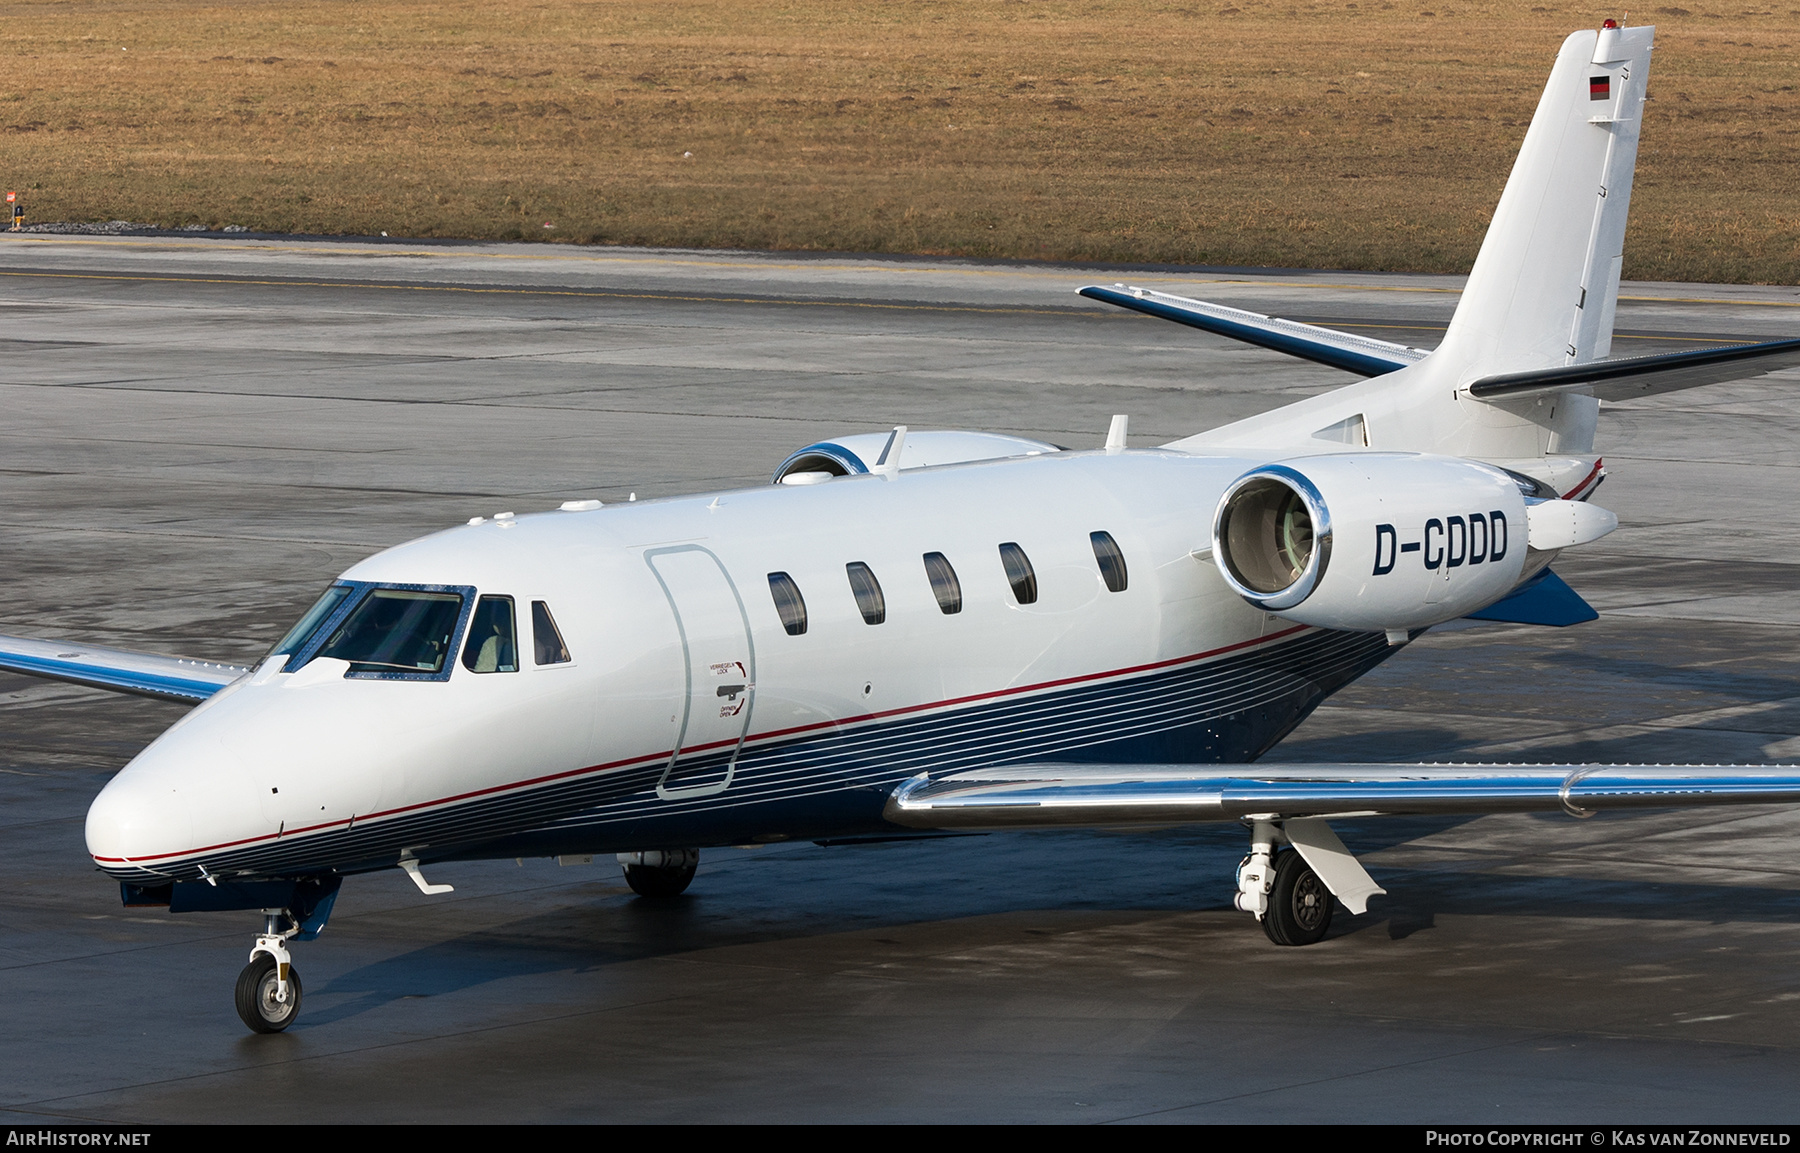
column 268, row 990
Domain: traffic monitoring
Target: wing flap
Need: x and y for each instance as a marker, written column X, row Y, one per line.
column 144, row 674
column 1043, row 796
column 1362, row 355
column 1636, row 376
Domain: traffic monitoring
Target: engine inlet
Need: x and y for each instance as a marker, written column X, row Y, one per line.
column 1272, row 537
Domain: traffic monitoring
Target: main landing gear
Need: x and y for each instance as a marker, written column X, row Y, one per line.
column 268, row 990
column 1290, row 889
column 660, row 874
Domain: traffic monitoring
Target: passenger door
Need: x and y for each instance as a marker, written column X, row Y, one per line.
column 720, row 662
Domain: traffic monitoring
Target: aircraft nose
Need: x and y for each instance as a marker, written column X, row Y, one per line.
column 136, row 820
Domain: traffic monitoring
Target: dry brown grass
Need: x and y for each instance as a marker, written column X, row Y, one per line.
column 1338, row 135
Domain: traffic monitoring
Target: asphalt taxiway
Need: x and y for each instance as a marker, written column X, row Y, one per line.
column 199, row 434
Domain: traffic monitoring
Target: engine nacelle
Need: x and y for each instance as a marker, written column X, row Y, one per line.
column 1372, row 541
column 848, row 455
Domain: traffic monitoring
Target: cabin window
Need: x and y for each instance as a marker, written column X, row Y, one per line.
column 492, row 646
column 869, row 601
column 313, row 620
column 944, row 584
column 789, row 604
column 546, row 642
column 1019, row 573
column 1110, row 560
column 397, row 631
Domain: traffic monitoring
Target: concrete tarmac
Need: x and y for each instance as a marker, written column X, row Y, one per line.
column 200, row 434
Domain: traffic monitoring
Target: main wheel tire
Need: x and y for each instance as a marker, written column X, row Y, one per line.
column 659, row 882
column 256, row 1002
column 1299, row 910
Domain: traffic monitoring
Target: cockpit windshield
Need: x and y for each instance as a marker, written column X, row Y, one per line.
column 310, row 623
column 397, row 631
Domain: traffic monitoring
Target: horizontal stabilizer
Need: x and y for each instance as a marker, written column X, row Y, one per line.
column 145, row 674
column 1362, row 355
column 1544, row 600
column 1645, row 375
column 1044, row 796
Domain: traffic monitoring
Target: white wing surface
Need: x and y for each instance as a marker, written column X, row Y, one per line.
column 1362, row 355
column 1040, row 796
column 145, row 674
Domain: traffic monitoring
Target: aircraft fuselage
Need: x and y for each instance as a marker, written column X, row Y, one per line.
column 688, row 714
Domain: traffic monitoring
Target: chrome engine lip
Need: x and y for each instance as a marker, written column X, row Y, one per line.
column 848, row 461
column 1303, row 585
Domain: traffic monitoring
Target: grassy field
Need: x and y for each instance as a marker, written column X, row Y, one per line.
column 1356, row 135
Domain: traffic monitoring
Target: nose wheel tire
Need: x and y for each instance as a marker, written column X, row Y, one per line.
column 1299, row 910
column 256, row 996
column 659, row 882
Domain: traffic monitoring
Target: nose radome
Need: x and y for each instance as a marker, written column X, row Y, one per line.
column 137, row 820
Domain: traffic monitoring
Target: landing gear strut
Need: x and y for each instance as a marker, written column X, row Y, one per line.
column 1284, row 892
column 661, row 873
column 268, row 990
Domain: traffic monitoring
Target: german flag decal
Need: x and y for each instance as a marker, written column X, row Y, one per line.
column 1599, row 88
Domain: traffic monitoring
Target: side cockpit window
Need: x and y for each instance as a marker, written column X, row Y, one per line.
column 546, row 642
column 314, row 619
column 492, row 646
column 397, row 631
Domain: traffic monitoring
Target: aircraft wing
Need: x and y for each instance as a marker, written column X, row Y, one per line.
column 1039, row 796
column 145, row 674
column 1636, row 376
column 1362, row 355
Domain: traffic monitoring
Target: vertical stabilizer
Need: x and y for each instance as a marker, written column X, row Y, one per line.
column 1542, row 293
column 1546, row 282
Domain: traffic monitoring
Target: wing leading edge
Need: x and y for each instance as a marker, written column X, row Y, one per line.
column 1046, row 796
column 1362, row 355
column 144, row 674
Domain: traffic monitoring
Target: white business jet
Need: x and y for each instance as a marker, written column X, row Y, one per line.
column 949, row 630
